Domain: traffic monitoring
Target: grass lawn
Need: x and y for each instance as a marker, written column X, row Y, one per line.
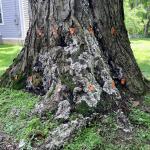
column 15, row 107
column 141, row 49
column 7, row 54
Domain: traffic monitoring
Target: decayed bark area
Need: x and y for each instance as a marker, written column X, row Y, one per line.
column 77, row 53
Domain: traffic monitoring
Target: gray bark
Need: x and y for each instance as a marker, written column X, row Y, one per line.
column 50, row 26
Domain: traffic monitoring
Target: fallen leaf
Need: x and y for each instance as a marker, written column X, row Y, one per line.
column 39, row 33
column 55, row 32
column 30, row 78
column 72, row 30
column 91, row 88
column 90, row 29
column 136, row 103
column 113, row 84
column 123, row 81
column 113, row 31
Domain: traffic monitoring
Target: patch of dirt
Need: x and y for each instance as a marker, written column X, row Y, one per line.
column 6, row 142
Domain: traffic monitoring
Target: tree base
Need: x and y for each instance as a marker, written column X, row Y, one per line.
column 77, row 56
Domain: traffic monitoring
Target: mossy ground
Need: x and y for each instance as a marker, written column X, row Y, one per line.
column 16, row 107
column 16, row 119
column 104, row 135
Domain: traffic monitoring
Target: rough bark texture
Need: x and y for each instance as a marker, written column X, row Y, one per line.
column 146, row 29
column 78, row 55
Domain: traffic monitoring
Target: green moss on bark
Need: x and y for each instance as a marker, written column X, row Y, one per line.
column 19, row 83
column 84, row 109
column 66, row 79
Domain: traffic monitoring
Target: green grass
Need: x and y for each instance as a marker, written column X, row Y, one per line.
column 7, row 54
column 16, row 119
column 104, row 135
column 14, row 112
column 141, row 49
column 16, row 107
column 88, row 139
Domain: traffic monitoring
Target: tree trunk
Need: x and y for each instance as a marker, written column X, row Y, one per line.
column 146, row 29
column 78, row 55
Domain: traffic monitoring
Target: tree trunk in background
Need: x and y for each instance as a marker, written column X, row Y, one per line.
column 146, row 29
column 78, row 55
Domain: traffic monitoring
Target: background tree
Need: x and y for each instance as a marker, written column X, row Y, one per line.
column 138, row 16
column 77, row 55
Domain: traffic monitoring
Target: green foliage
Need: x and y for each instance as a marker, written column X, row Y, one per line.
column 134, row 3
column 135, row 18
column 137, row 15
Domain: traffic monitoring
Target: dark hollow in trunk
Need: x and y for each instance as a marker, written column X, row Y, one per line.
column 77, row 53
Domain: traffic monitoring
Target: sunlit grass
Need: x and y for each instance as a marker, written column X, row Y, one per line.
column 141, row 49
column 7, row 54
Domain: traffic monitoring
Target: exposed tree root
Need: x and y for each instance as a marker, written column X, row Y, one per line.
column 64, row 133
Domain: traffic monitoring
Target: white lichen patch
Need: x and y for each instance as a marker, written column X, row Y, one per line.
column 109, row 84
column 63, row 133
column 73, row 47
column 63, row 111
column 123, row 122
column 92, row 93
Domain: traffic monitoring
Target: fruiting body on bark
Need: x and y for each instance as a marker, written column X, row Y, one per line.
column 77, row 53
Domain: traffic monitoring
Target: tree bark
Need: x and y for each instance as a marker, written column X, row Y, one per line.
column 146, row 29
column 102, row 21
column 78, row 55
